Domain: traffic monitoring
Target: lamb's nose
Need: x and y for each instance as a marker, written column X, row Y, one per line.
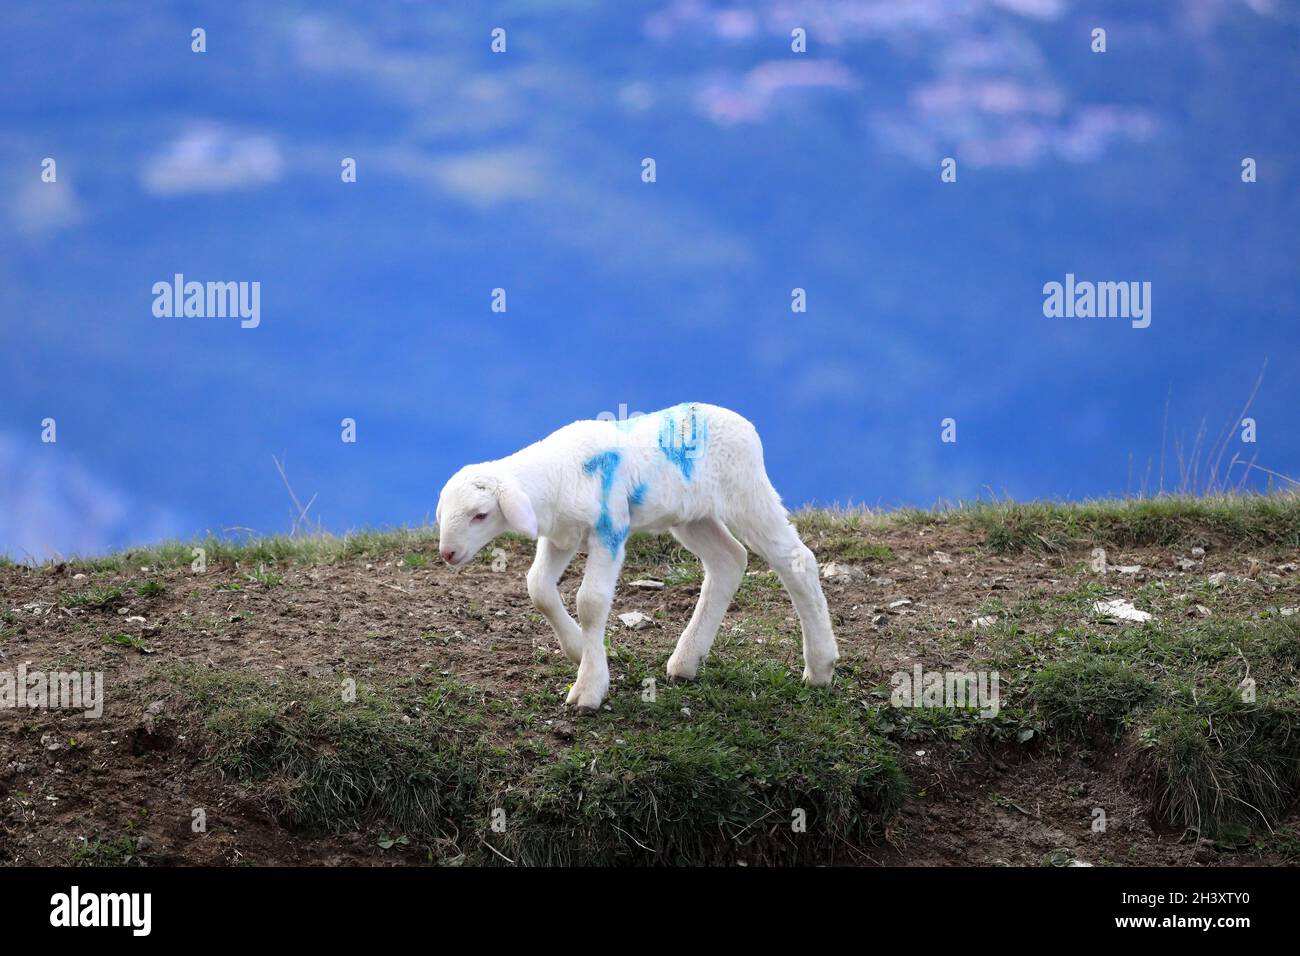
column 448, row 555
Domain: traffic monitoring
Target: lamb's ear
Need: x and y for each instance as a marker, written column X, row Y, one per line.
column 516, row 506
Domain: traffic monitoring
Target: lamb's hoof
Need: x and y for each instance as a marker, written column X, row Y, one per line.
column 584, row 701
column 681, row 671
column 819, row 677
column 583, row 707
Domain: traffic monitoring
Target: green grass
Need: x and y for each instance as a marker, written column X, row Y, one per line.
column 95, row 599
column 1084, row 694
column 1284, row 842
column 251, row 552
column 1215, row 763
column 720, row 770
column 321, row 761
column 746, row 764
column 849, row 548
column 684, row 575
column 120, row 850
column 651, row 550
column 265, row 578
column 756, row 590
column 1271, row 520
column 127, row 640
column 1205, row 755
column 713, row 772
column 645, row 783
column 851, row 520
column 1248, row 520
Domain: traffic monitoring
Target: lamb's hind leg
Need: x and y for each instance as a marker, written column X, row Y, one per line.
column 543, row 587
column 724, row 560
column 768, row 531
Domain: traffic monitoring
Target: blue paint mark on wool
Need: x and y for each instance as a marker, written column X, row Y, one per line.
column 637, row 496
column 612, row 538
column 683, row 445
column 606, row 463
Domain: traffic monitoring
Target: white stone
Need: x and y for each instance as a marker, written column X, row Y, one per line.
column 1120, row 610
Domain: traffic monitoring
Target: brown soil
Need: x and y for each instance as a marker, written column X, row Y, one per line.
column 65, row 779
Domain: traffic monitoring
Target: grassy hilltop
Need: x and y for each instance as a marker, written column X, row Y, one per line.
column 349, row 699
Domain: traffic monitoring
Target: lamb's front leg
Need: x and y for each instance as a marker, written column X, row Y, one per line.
column 594, row 599
column 543, row 588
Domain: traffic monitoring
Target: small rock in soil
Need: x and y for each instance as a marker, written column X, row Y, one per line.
column 151, row 714
column 845, row 572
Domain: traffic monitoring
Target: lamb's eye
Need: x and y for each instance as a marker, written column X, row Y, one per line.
column 479, row 517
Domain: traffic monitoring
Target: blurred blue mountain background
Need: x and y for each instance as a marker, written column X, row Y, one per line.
column 522, row 170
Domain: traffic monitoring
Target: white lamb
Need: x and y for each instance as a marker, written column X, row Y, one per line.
column 696, row 470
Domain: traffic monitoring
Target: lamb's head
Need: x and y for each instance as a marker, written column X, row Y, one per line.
column 476, row 505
